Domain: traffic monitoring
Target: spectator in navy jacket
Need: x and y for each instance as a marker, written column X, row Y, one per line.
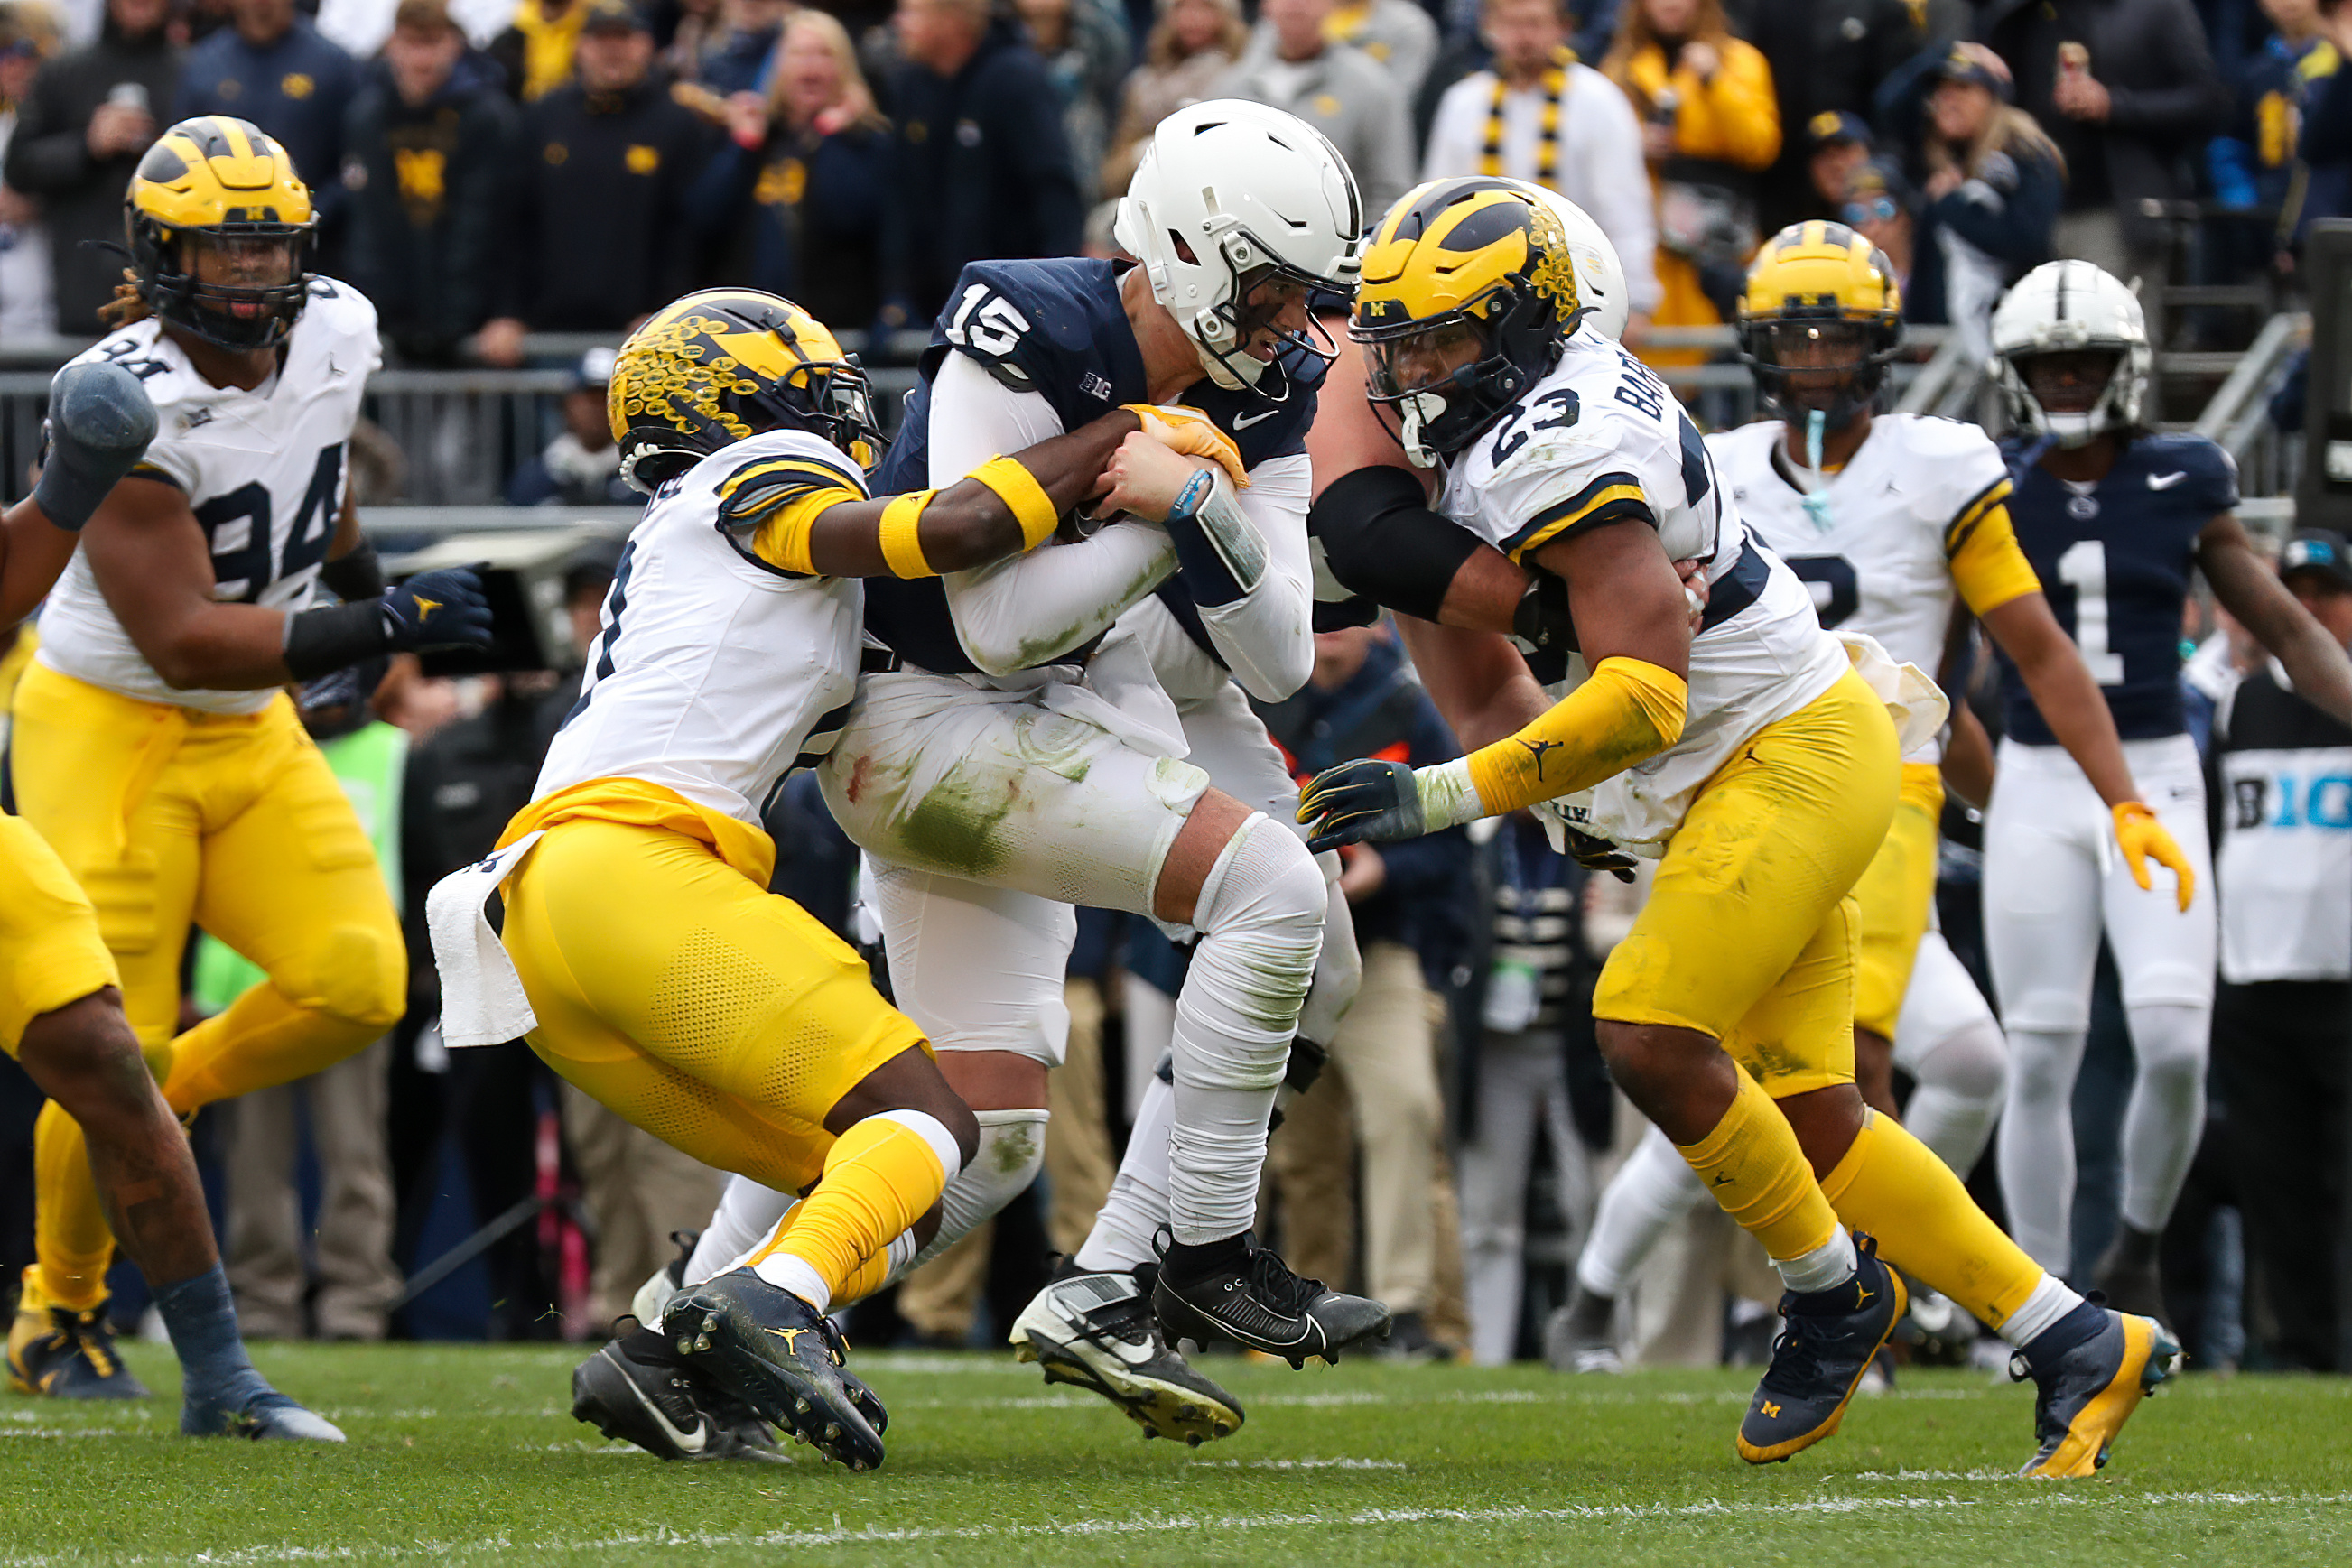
column 981, row 168
column 271, row 67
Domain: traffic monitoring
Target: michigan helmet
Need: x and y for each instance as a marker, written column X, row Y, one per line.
column 221, row 228
column 725, row 364
column 1469, row 292
column 1600, row 285
column 2072, row 308
column 1820, row 320
column 1231, row 194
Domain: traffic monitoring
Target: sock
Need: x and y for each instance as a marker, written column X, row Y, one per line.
column 1959, row 1098
column 1892, row 1186
column 2165, row 1117
column 1752, row 1165
column 2036, row 1150
column 747, row 1214
column 1260, row 913
column 879, row 1178
column 217, row 1377
column 2050, row 1305
column 1187, row 1261
column 1138, row 1205
column 1654, row 1188
column 1824, row 1268
column 70, row 1238
column 1012, row 1152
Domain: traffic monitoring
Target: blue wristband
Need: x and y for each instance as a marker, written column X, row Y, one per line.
column 1187, row 505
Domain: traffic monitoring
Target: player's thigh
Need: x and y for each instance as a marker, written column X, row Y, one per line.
column 292, row 882
column 108, row 782
column 1008, row 789
column 2043, row 846
column 978, row 967
column 1942, row 1001
column 1798, row 1037
column 635, row 942
column 51, row 954
column 2163, row 954
column 1766, row 851
column 1895, row 893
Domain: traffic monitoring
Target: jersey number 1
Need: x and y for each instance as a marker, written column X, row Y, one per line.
column 2083, row 568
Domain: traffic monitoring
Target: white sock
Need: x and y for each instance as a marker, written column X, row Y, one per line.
column 1011, row 1152
column 1138, row 1205
column 2165, row 1117
column 2036, row 1152
column 1654, row 1188
column 1830, row 1264
column 2050, row 1302
column 787, row 1272
column 1959, row 1098
column 1260, row 915
column 747, row 1216
column 1338, row 969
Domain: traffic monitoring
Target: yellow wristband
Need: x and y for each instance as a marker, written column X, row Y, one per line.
column 901, row 536
column 1018, row 488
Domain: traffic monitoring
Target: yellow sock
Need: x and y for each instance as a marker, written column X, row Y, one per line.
column 879, row 1178
column 1892, row 1186
column 1753, row 1167
column 71, row 1240
column 864, row 1280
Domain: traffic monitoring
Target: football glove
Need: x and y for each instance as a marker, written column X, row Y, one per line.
column 436, row 610
column 1190, row 432
column 2142, row 839
column 1597, row 854
column 1364, row 801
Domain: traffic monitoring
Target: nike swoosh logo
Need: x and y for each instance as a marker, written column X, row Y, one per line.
column 1242, row 422
column 688, row 1443
column 2164, row 481
column 1133, row 1354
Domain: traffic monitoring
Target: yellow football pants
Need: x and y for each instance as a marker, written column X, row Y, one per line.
column 169, row 817
column 50, row 952
column 1895, row 894
column 723, row 1019
column 1749, row 932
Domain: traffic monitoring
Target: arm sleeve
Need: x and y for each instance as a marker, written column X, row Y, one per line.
column 1988, row 567
column 1031, row 608
column 1616, row 186
column 1627, row 711
column 1267, row 637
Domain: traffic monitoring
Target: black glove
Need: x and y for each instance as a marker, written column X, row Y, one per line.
column 100, row 424
column 1364, row 801
column 1599, row 854
column 437, row 610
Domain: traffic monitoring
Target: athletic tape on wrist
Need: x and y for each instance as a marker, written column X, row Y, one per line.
column 1018, row 489
column 901, row 536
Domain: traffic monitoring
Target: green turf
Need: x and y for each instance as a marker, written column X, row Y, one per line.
column 462, row 1455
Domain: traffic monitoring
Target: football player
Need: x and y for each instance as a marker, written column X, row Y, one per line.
column 1754, row 756
column 1887, row 517
column 154, row 746
column 660, row 973
column 61, row 1004
column 2114, row 518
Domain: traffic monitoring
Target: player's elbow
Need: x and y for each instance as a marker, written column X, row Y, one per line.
column 1275, row 677
column 958, row 538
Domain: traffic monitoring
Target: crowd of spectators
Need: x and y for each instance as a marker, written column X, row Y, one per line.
column 486, row 170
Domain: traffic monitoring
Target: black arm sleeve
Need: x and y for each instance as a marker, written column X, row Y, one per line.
column 1385, row 542
column 320, row 641
column 356, row 575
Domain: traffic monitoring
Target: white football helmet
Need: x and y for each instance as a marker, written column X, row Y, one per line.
column 1600, row 276
column 1225, row 189
column 2063, row 306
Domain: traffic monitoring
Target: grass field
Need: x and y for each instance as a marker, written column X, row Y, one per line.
column 469, row 1454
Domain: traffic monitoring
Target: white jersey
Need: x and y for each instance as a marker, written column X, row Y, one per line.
column 1875, row 543
column 715, row 673
column 1598, row 439
column 263, row 471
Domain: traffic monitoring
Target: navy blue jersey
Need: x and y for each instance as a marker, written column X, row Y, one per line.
column 1057, row 329
column 2115, row 564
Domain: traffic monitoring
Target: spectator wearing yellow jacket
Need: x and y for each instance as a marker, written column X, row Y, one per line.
column 1710, row 123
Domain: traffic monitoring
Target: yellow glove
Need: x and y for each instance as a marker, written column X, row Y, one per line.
column 1191, row 432
column 2143, row 839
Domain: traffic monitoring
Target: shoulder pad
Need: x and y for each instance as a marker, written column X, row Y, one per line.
column 1035, row 325
column 752, row 478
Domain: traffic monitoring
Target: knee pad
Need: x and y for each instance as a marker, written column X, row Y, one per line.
column 362, row 976
column 1972, row 1063
column 1012, row 1152
column 2170, row 1040
column 1265, row 882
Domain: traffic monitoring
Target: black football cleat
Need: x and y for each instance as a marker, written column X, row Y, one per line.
column 1095, row 1330
column 2088, row 1392
column 1826, row 1342
column 638, row 1389
column 66, row 1354
column 783, row 1358
column 1261, row 1305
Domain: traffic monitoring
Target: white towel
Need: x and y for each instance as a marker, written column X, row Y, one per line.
column 482, row 1000
column 1914, row 701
